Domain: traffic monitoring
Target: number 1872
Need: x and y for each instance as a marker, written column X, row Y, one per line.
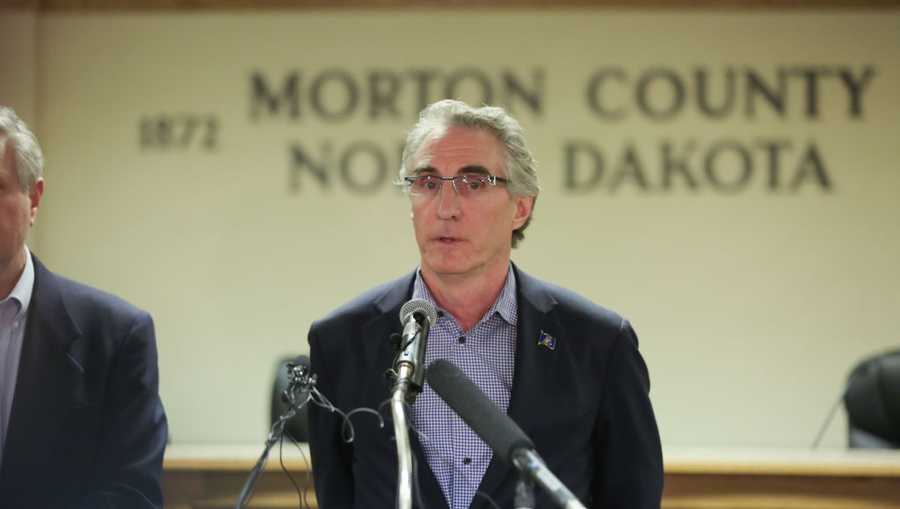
column 179, row 132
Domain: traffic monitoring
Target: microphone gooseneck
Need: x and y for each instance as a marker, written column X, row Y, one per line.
column 416, row 316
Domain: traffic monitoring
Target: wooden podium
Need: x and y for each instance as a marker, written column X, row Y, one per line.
column 211, row 476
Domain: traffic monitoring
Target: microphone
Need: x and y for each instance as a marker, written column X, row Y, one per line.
column 498, row 431
column 300, row 383
column 416, row 316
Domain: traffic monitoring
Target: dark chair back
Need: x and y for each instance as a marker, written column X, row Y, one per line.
column 872, row 400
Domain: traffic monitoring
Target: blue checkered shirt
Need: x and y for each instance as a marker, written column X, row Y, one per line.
column 486, row 354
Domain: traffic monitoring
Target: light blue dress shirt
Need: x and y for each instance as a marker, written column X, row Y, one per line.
column 486, row 354
column 13, row 312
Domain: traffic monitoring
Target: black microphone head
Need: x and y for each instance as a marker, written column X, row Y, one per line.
column 418, row 306
column 485, row 418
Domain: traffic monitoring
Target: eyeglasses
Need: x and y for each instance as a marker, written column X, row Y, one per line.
column 466, row 185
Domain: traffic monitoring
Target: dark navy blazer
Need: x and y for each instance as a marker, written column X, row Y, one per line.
column 87, row 427
column 585, row 404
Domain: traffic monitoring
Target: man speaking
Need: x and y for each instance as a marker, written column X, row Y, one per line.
column 81, row 422
column 566, row 371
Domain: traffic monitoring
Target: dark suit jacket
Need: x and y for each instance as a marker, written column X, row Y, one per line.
column 87, row 428
column 585, row 404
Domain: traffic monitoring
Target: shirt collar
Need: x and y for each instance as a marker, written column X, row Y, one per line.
column 505, row 305
column 21, row 293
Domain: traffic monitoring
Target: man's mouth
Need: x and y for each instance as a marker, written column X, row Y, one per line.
column 448, row 240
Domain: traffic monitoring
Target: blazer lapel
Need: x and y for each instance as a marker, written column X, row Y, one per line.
column 536, row 365
column 381, row 355
column 50, row 375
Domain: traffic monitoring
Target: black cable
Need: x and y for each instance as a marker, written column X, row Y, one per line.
column 368, row 411
column 488, row 498
column 274, row 433
column 417, row 489
column 347, row 430
column 301, row 493
column 300, row 381
column 287, row 472
column 309, row 480
column 411, row 425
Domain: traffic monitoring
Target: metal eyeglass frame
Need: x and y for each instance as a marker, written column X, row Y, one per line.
column 465, row 178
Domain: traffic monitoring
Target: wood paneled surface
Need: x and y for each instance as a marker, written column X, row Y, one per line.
column 212, row 476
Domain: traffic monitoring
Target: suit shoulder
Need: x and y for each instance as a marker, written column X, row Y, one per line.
column 366, row 305
column 80, row 297
column 102, row 321
column 579, row 309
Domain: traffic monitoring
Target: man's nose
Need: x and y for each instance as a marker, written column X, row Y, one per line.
column 448, row 204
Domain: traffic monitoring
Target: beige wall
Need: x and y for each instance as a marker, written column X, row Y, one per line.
column 18, row 46
column 751, row 306
column 18, row 81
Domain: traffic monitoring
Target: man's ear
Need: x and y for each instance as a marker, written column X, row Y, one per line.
column 524, row 205
column 34, row 195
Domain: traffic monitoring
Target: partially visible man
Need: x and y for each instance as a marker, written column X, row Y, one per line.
column 567, row 371
column 81, row 422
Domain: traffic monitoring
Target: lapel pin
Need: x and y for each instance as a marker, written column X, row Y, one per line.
column 547, row 341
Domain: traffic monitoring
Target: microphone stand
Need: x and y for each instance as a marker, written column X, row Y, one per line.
column 410, row 370
column 301, row 382
column 531, row 465
column 274, row 436
column 524, row 494
column 401, row 433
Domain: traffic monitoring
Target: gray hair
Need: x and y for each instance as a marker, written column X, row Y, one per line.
column 436, row 118
column 15, row 136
